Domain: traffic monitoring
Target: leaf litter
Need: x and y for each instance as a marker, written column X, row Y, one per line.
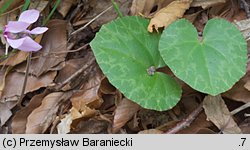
column 85, row 101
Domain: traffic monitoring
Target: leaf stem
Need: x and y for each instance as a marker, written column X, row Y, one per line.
column 19, row 102
column 52, row 12
column 26, row 5
column 5, row 6
column 117, row 9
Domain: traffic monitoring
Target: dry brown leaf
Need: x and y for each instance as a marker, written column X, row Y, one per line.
column 38, row 5
column 169, row 14
column 245, row 126
column 218, row 113
column 106, row 87
column 65, row 5
column 19, row 121
column 3, row 75
column 42, row 117
column 92, row 126
column 238, row 92
column 14, row 84
column 125, row 110
column 72, row 66
column 97, row 6
column 19, row 57
column 205, row 131
column 206, row 3
column 88, row 94
column 54, row 49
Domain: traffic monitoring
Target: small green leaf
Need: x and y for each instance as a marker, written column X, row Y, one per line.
column 128, row 56
column 211, row 65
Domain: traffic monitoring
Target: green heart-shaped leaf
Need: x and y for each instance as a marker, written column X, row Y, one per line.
column 211, row 65
column 125, row 51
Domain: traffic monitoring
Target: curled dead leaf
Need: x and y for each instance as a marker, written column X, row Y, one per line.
column 169, row 14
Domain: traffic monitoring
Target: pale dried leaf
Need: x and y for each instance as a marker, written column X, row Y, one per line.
column 169, row 14
column 42, row 117
column 217, row 112
column 15, row 83
column 145, row 6
column 244, row 27
column 5, row 111
column 206, row 3
column 125, row 110
column 19, row 121
column 65, row 125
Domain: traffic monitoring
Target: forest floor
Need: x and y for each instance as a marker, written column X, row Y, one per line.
column 61, row 89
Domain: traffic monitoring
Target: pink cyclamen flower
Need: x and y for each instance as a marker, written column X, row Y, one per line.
column 19, row 37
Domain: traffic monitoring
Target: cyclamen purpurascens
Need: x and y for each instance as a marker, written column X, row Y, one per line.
column 18, row 36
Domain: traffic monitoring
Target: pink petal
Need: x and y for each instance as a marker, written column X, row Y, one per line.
column 16, row 26
column 25, row 44
column 37, row 30
column 15, row 43
column 29, row 16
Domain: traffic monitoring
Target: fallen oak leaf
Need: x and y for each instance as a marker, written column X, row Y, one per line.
column 169, row 14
